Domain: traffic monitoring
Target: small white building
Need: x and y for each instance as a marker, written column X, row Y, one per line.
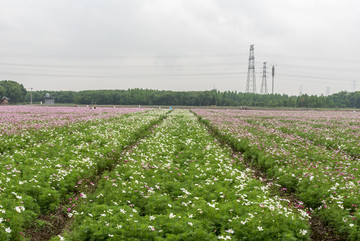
column 48, row 100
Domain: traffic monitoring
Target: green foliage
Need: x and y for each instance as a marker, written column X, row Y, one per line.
column 2, row 91
column 13, row 90
column 40, row 174
column 315, row 157
column 178, row 183
column 192, row 98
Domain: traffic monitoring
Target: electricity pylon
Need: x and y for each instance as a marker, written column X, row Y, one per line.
column 251, row 81
column 273, row 75
column 263, row 89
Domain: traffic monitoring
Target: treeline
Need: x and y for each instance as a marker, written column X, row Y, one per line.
column 18, row 94
column 197, row 98
column 13, row 90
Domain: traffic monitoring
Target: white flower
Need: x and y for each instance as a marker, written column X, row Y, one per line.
column 212, row 205
column 260, row 228
column 351, row 225
column 230, row 231
column 152, row 218
column 190, row 224
column 17, row 196
column 171, row 215
column 8, row 230
column 119, row 226
column 224, row 238
column 61, row 238
column 303, row 231
column 18, row 209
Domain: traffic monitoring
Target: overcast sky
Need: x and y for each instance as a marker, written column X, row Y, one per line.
column 180, row 44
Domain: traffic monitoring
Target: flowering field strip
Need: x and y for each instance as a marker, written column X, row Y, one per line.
column 333, row 130
column 21, row 119
column 327, row 180
column 339, row 135
column 24, row 126
column 180, row 184
column 36, row 179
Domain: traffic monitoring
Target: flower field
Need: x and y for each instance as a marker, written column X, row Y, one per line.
column 313, row 154
column 145, row 174
column 21, row 125
column 180, row 184
column 19, row 119
column 41, row 167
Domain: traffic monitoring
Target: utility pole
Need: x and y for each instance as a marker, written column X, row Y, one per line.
column 354, row 86
column 31, row 96
column 263, row 89
column 273, row 75
column 251, row 81
column 327, row 93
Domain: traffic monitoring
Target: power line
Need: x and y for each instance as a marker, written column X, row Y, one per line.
column 136, row 75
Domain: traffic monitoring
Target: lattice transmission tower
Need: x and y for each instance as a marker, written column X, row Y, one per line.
column 264, row 89
column 251, row 80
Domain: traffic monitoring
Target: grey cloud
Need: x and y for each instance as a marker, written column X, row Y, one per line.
column 179, row 44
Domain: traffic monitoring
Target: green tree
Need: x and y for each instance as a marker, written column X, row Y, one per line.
column 13, row 90
column 2, row 91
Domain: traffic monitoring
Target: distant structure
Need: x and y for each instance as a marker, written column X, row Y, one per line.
column 354, row 86
column 48, row 100
column 273, row 75
column 327, row 93
column 251, row 81
column 4, row 100
column 264, row 89
column 31, row 96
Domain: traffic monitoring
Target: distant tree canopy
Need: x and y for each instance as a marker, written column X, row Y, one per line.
column 13, row 90
column 198, row 98
column 2, row 91
column 18, row 94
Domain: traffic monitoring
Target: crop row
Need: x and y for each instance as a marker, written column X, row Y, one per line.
column 35, row 179
column 180, row 184
column 326, row 179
